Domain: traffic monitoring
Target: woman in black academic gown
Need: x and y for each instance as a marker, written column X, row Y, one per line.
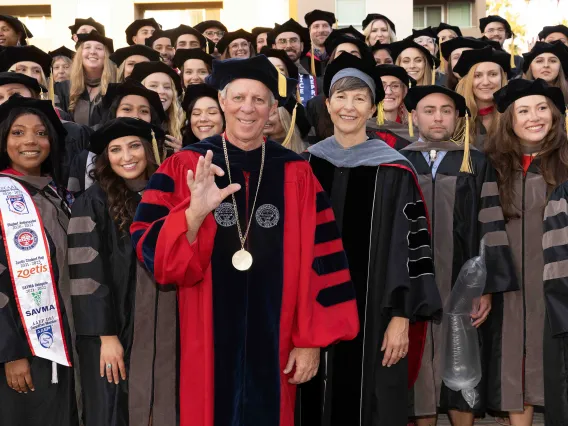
column 126, row 329
column 33, row 390
column 377, row 204
column 529, row 150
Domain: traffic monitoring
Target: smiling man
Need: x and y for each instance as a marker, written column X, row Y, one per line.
column 320, row 24
column 243, row 229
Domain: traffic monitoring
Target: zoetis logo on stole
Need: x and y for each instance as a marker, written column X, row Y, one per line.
column 25, row 239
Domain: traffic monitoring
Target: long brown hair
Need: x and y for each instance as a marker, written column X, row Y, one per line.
column 121, row 200
column 504, row 151
column 560, row 81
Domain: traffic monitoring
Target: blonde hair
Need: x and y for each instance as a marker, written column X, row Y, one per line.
column 426, row 79
column 560, row 81
column 78, row 76
column 120, row 72
column 465, row 88
column 175, row 113
column 295, row 143
column 367, row 31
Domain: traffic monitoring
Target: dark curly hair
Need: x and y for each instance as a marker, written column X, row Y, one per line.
column 188, row 136
column 122, row 201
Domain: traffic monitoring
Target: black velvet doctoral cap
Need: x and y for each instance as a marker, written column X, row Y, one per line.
column 469, row 58
column 347, row 61
column 332, row 42
column 319, row 15
column 546, row 31
column 46, row 107
column 120, row 127
column 291, row 67
column 228, row 38
column 196, row 91
column 294, row 27
column 349, row 31
column 95, row 36
column 203, row 26
column 374, row 16
column 124, row 53
column 183, row 55
column 428, row 32
column 395, row 71
column 62, row 51
column 302, row 121
column 256, row 31
column 495, row 18
column 133, row 87
column 449, row 46
column 143, row 69
column 13, row 54
column 557, row 48
column 257, row 68
column 79, row 22
column 443, row 26
column 185, row 29
column 18, row 26
column 398, row 47
column 133, row 28
column 159, row 34
column 519, row 88
column 380, row 46
column 417, row 93
column 17, row 78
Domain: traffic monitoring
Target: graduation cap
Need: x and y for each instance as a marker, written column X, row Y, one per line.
column 348, row 65
column 183, row 55
column 319, row 15
column 134, row 27
column 197, row 91
column 157, row 35
column 205, row 25
column 89, row 21
column 13, row 54
column 483, row 22
column 425, row 32
column 45, row 107
column 398, row 47
column 332, row 42
column 374, row 16
column 133, row 87
column 126, row 126
column 95, row 36
column 17, row 78
column 443, row 26
column 291, row 67
column 185, row 29
column 349, row 31
column 469, row 58
column 256, row 31
column 62, row 51
column 19, row 27
column 256, row 68
column 519, row 88
column 380, row 46
column 557, row 48
column 228, row 38
column 458, row 43
column 395, row 71
column 546, row 31
column 493, row 43
column 143, row 69
column 292, row 26
column 124, row 53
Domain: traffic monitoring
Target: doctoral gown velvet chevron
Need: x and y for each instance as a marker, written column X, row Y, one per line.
column 238, row 328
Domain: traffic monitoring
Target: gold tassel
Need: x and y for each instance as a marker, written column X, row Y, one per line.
column 155, row 149
column 42, row 95
column 380, row 113
column 313, row 63
column 281, row 85
column 433, row 76
column 291, row 129
column 466, row 163
column 410, row 125
column 513, row 52
column 336, row 24
column 298, row 96
column 442, row 60
column 207, row 47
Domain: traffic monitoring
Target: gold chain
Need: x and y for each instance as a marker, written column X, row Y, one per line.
column 241, row 237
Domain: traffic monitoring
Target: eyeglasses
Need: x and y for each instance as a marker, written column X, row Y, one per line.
column 214, row 33
column 394, row 87
column 284, row 42
column 495, row 30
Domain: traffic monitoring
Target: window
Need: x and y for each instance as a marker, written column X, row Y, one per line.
column 350, row 12
column 459, row 14
column 425, row 16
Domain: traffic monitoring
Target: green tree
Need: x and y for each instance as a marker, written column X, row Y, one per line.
column 505, row 9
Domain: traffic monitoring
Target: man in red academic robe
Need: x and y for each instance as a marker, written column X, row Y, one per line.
column 249, row 332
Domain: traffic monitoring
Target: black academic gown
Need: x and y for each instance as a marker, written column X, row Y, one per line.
column 377, row 208
column 463, row 209
column 77, row 139
column 50, row 404
column 115, row 295
column 78, row 180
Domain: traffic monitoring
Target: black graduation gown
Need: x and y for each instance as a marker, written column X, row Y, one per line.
column 84, row 109
column 462, row 210
column 113, row 294
column 376, row 209
column 555, row 276
column 77, row 139
column 50, row 404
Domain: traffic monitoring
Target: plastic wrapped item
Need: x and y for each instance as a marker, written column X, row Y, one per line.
column 461, row 359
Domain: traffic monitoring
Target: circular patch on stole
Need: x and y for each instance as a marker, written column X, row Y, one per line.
column 225, row 215
column 267, row 216
column 25, row 239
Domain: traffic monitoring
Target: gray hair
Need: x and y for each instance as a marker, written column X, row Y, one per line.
column 347, row 84
column 223, row 93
